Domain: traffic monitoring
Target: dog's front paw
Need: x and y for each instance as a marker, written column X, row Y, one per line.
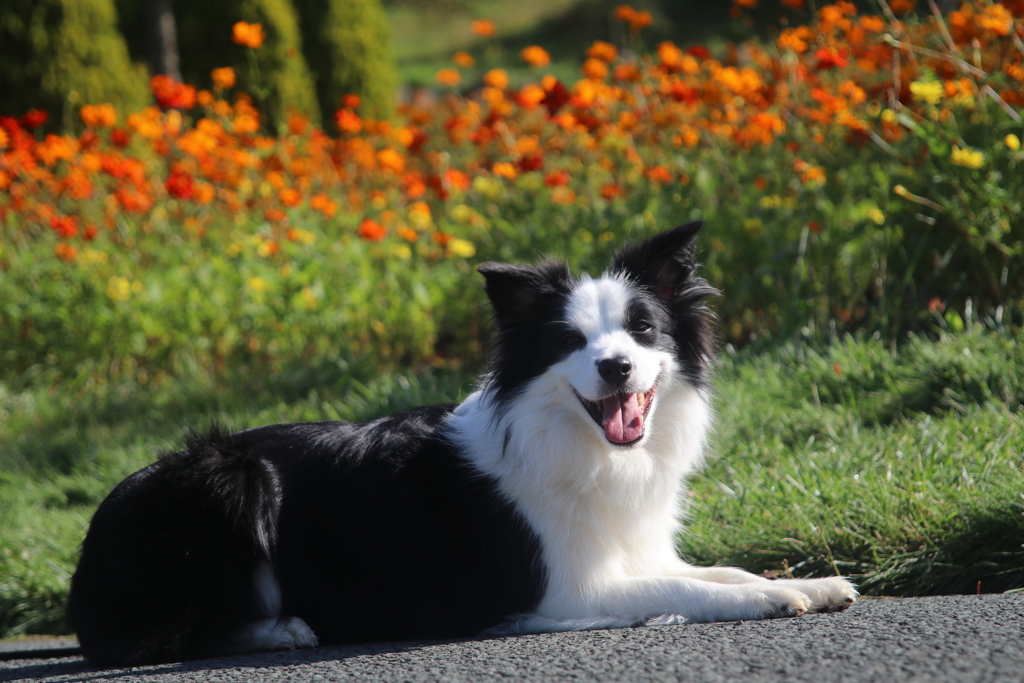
column 781, row 602
column 833, row 594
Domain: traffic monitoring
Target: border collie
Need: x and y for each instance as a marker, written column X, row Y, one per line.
column 549, row 500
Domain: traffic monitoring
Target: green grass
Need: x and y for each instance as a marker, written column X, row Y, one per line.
column 903, row 467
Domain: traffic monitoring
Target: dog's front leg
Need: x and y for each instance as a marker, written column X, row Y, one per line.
column 638, row 598
column 830, row 594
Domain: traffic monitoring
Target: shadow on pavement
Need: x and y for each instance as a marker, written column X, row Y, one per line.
column 77, row 669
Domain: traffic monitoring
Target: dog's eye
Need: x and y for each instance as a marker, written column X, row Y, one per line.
column 640, row 327
column 573, row 340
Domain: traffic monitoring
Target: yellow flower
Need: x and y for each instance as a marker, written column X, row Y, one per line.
column 91, row 256
column 1012, row 142
column 309, row 299
column 118, row 288
column 461, row 247
column 927, row 91
column 876, row 215
column 967, row 157
column 256, row 284
column 461, row 213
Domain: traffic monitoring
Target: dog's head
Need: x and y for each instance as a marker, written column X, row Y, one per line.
column 605, row 346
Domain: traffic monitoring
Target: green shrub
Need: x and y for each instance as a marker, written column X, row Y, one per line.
column 276, row 73
column 347, row 44
column 59, row 52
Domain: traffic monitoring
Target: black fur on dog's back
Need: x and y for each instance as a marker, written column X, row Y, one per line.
column 378, row 531
column 174, row 546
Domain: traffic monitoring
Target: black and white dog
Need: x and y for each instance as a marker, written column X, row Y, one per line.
column 549, row 500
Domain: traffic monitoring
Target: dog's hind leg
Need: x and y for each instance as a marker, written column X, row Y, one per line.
column 273, row 632
column 289, row 633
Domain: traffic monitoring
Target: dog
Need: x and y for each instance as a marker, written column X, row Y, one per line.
column 549, row 500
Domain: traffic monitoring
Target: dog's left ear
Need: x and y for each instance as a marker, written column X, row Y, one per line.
column 663, row 263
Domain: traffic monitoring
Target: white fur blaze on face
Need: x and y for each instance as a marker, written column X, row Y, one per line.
column 598, row 308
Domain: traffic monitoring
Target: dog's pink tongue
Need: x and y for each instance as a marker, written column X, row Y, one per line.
column 623, row 420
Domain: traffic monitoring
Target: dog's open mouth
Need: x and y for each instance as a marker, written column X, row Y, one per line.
column 622, row 416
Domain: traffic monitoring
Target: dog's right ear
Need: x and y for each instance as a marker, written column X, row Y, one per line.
column 515, row 291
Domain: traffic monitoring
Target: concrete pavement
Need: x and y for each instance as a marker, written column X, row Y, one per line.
column 948, row 638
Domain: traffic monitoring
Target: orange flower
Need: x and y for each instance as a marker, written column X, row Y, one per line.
column 348, row 121
column 483, row 28
column 530, row 96
column 639, row 20
column 624, row 13
column 595, row 68
column 391, row 160
column 902, row 6
column 65, row 252
column 289, row 196
column 324, row 205
column 658, row 174
column 996, row 19
column 98, row 115
column 795, row 39
column 448, row 77
column 563, row 195
column 535, row 56
column 603, row 51
column 556, row 179
column 464, row 59
column 408, row 234
column 223, row 78
column 249, row 35
column 203, row 193
column 372, row 231
column 748, row 4
column 504, row 169
column 496, row 78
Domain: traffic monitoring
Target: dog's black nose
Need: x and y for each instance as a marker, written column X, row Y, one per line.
column 614, row 370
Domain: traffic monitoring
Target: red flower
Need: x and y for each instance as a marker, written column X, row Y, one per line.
column 179, row 185
column 556, row 95
column 34, row 118
column 557, row 178
column 65, row 226
column 531, row 162
column 170, row 94
column 698, row 51
column 831, row 58
column 120, row 137
column 371, row 230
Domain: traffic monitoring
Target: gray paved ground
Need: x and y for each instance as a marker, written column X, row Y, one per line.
column 953, row 638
